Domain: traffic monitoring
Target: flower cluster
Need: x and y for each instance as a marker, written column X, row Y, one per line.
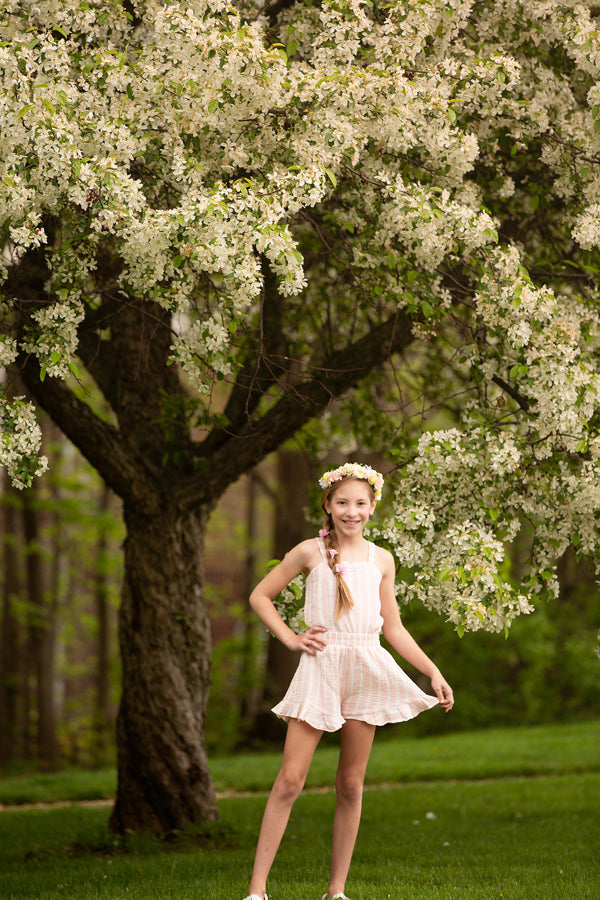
column 354, row 470
column 20, row 441
column 290, row 605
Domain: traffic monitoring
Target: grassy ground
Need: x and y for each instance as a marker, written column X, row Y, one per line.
column 528, row 829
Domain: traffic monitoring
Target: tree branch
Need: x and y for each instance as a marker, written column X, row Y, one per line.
column 341, row 371
column 522, row 401
column 259, row 373
column 101, row 443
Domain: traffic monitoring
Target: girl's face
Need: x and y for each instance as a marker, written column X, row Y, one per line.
column 350, row 506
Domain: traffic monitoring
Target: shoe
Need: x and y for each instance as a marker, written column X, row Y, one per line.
column 327, row 896
column 256, row 897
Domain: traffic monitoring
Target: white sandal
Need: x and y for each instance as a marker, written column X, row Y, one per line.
column 256, row 897
column 327, row 896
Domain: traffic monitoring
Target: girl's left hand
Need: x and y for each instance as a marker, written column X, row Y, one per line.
column 443, row 691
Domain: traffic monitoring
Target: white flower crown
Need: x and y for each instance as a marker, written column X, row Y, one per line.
column 354, row 470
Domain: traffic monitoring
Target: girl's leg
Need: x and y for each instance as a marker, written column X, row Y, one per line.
column 300, row 744
column 356, row 743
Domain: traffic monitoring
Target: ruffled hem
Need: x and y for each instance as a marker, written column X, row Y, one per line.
column 310, row 714
column 319, row 720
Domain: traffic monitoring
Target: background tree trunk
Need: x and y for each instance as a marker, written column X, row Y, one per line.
column 102, row 714
column 9, row 657
column 165, row 639
column 294, row 479
column 42, row 626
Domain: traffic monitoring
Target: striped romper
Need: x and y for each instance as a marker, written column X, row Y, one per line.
column 354, row 677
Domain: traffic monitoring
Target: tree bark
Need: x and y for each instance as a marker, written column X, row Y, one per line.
column 9, row 657
column 165, row 641
column 41, row 629
column 103, row 639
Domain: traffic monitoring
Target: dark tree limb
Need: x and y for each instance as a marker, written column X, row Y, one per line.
column 522, row 401
column 341, row 371
column 261, row 371
column 100, row 442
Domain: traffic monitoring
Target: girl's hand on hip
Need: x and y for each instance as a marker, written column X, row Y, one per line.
column 443, row 691
column 311, row 641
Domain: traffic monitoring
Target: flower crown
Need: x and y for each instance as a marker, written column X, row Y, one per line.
column 354, row 470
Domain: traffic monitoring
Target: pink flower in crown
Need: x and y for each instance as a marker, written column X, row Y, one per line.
column 333, row 553
column 339, row 568
column 323, row 532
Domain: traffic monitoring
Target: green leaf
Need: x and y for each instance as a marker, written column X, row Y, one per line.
column 331, row 176
column 518, row 371
column 213, row 106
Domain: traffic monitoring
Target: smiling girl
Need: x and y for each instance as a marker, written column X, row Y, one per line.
column 345, row 679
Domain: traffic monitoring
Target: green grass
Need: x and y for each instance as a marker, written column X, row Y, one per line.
column 494, row 753
column 51, row 787
column 528, row 834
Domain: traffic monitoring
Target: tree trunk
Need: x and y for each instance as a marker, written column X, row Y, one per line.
column 165, row 638
column 9, row 657
column 42, row 627
column 102, row 716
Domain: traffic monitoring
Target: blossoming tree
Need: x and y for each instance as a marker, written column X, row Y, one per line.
column 229, row 214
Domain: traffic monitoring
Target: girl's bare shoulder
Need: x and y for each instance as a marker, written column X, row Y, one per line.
column 384, row 560
column 306, row 554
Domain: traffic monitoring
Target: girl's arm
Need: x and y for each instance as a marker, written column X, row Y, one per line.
column 261, row 600
column 403, row 643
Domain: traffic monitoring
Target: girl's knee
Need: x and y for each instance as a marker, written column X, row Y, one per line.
column 349, row 787
column 288, row 785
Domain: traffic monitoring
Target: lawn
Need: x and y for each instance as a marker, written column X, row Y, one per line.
column 529, row 834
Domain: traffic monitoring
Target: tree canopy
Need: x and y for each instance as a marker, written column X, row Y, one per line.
column 283, row 195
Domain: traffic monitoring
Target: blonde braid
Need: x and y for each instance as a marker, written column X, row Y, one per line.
column 344, row 599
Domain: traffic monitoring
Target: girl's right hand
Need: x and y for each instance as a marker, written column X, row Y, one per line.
column 311, row 641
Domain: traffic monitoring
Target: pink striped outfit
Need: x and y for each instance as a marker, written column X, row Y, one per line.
column 354, row 677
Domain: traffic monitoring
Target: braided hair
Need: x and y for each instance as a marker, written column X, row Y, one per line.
column 344, row 599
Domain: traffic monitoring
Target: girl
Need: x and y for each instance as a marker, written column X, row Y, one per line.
column 345, row 679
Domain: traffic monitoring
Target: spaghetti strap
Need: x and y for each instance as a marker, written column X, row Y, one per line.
column 321, row 544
